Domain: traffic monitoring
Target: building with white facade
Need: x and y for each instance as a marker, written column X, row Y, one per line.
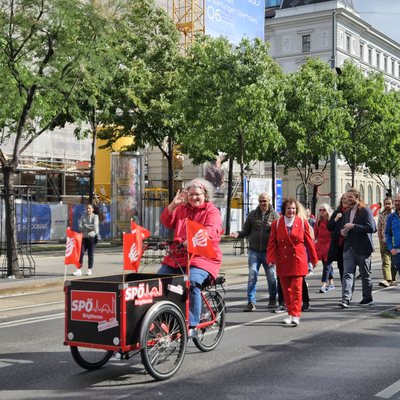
column 333, row 31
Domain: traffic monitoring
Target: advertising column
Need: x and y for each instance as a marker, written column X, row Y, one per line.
column 127, row 188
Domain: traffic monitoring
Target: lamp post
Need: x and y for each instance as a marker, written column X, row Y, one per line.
column 333, row 156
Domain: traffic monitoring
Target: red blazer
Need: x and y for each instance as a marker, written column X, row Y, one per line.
column 288, row 252
column 322, row 239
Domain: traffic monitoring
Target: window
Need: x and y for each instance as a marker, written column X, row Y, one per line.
column 378, row 194
column 306, row 43
column 370, row 199
column 361, row 52
column 362, row 192
column 272, row 3
column 370, row 56
column 348, row 40
column 385, row 63
column 378, row 59
column 301, row 196
column 393, row 68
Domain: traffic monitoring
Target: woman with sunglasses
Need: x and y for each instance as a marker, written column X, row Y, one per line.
column 322, row 244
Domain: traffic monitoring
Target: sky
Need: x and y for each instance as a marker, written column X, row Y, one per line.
column 383, row 15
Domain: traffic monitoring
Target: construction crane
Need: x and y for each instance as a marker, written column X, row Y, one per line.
column 189, row 18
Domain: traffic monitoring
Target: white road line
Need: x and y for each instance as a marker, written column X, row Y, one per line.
column 389, row 391
column 30, row 320
column 31, row 306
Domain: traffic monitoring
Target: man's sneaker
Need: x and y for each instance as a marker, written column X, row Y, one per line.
column 366, row 302
column 393, row 283
column 249, row 307
column 305, row 306
column 384, row 283
column 330, row 287
column 295, row 321
column 89, row 272
column 344, row 304
column 78, row 272
column 287, row 321
column 280, row 309
column 272, row 303
column 323, row 289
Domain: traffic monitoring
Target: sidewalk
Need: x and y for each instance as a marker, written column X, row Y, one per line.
column 107, row 260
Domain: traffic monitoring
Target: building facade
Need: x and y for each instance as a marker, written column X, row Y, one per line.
column 333, row 31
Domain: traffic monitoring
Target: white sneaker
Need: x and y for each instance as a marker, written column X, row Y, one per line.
column 295, row 321
column 288, row 320
column 78, row 272
column 89, row 272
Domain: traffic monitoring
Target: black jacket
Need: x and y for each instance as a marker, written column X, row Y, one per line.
column 257, row 229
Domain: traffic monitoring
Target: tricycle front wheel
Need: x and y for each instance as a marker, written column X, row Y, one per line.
column 163, row 340
column 90, row 358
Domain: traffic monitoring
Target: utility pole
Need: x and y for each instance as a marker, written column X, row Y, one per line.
column 333, row 156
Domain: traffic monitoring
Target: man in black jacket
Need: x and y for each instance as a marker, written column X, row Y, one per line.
column 257, row 229
column 357, row 228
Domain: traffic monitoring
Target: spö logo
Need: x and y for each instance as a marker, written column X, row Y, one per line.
column 133, row 253
column 69, row 247
column 200, row 238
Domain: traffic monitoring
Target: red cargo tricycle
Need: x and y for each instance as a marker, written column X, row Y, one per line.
column 120, row 315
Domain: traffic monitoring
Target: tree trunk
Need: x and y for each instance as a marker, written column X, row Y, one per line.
column 353, row 175
column 273, row 173
column 229, row 198
column 10, row 222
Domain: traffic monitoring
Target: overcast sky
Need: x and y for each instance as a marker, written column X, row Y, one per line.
column 383, row 15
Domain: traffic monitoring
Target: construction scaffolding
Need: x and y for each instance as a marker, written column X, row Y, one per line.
column 189, row 18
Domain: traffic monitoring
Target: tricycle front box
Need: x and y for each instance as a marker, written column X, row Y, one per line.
column 107, row 311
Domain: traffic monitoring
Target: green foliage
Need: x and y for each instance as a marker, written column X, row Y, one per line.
column 145, row 85
column 42, row 47
column 231, row 99
column 366, row 109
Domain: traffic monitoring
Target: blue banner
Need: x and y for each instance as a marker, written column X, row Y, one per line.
column 235, row 19
column 39, row 217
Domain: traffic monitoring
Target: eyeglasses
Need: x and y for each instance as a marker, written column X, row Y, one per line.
column 263, row 201
column 322, row 209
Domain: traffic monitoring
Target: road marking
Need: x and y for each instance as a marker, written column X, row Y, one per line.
column 8, row 362
column 389, row 391
column 31, row 306
column 30, row 320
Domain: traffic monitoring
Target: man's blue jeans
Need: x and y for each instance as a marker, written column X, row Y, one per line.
column 256, row 259
column 197, row 277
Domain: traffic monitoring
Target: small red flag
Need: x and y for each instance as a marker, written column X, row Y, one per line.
column 198, row 241
column 73, row 248
column 133, row 249
column 134, row 226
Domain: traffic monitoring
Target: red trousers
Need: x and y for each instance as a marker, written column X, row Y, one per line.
column 292, row 293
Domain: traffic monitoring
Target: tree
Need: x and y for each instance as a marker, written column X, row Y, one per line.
column 365, row 105
column 42, row 46
column 146, row 86
column 384, row 159
column 312, row 124
column 231, row 97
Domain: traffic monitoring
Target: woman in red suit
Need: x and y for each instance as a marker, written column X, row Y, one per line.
column 289, row 239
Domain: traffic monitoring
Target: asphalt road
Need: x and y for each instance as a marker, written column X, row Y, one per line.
column 334, row 353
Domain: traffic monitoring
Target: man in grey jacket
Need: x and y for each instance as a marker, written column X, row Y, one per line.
column 257, row 229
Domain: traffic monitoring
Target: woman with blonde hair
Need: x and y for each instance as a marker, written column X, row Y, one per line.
column 322, row 244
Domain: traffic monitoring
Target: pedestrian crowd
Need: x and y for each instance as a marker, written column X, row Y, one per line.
column 289, row 246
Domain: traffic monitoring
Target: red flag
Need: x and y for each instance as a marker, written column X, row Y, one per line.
column 198, row 241
column 73, row 248
column 134, row 226
column 133, row 249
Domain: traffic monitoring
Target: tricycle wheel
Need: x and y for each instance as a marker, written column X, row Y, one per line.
column 90, row 358
column 163, row 338
column 208, row 338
